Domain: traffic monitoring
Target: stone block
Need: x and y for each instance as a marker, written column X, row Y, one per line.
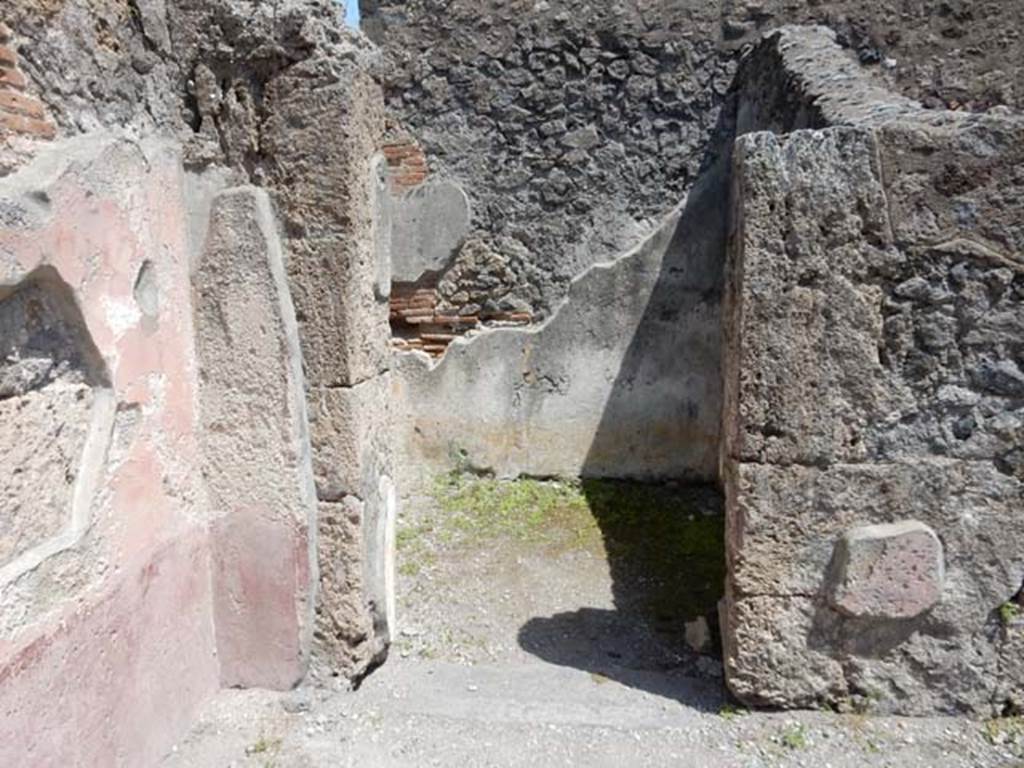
column 325, row 191
column 887, row 571
column 256, row 447
column 351, row 431
column 783, row 524
column 846, row 344
column 767, row 659
column 805, row 380
column 345, row 628
column 795, row 651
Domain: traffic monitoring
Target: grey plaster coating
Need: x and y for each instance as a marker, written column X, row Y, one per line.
column 873, row 317
column 621, row 380
column 429, row 224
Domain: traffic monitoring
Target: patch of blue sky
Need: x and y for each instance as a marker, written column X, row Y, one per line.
column 352, row 13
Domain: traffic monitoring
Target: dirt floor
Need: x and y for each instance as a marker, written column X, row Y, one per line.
column 545, row 624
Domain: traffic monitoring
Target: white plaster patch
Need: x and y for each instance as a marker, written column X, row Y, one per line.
column 121, row 314
column 386, row 489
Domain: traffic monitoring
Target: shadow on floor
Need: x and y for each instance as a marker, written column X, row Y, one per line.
column 665, row 543
column 665, row 550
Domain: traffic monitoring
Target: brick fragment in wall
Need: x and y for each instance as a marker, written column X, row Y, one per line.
column 20, row 104
column 20, row 113
column 407, row 164
column 12, row 79
column 418, row 323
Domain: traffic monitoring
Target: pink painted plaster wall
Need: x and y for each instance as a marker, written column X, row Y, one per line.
column 107, row 648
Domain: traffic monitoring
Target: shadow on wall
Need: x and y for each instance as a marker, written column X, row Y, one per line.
column 665, row 543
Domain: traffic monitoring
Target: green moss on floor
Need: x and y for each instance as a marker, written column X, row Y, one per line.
column 475, row 510
column 664, row 543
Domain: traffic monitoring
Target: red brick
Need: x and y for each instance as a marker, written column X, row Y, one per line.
column 26, row 125
column 12, row 79
column 8, row 58
column 456, row 320
column 409, row 179
column 21, row 104
column 422, row 303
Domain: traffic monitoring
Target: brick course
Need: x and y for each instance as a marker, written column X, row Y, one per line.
column 418, row 322
column 20, row 112
column 407, row 164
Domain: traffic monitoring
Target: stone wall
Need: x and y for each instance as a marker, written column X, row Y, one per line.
column 621, row 381
column 193, row 311
column 873, row 411
column 627, row 287
column 575, row 127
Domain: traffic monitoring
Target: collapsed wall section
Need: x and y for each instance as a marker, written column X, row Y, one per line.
column 873, row 407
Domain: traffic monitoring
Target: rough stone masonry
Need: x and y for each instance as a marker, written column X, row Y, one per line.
column 786, row 261
column 873, row 416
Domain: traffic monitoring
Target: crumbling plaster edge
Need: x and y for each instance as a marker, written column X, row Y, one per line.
column 666, row 226
column 29, row 186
